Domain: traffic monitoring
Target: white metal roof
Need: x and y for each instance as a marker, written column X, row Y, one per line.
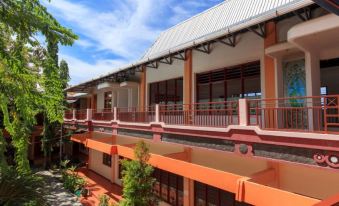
column 227, row 17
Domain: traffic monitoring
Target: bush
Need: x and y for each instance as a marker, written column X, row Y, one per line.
column 71, row 180
column 104, row 200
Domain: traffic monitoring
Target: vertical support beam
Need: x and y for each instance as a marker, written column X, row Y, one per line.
column 89, row 119
column 270, row 39
column 270, row 80
column 312, row 75
column 157, row 113
column 188, row 192
column 115, row 114
column 74, row 115
column 243, row 113
column 142, row 89
column 88, row 102
column 187, row 81
column 188, row 77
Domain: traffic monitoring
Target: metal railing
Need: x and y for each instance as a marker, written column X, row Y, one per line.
column 210, row 114
column 68, row 114
column 136, row 114
column 102, row 114
column 81, row 114
column 308, row 114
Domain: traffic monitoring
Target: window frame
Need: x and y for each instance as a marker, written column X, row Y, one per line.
column 107, row 159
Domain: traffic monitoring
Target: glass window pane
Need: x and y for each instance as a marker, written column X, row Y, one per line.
column 233, row 89
column 218, row 91
column 200, row 191
column 204, row 93
column 153, row 93
column 180, row 96
column 212, row 196
column 227, row 198
column 171, row 91
column 252, row 87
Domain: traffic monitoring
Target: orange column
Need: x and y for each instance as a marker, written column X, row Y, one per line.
column 270, row 39
column 142, row 89
column 188, row 77
column 187, row 85
column 270, row 83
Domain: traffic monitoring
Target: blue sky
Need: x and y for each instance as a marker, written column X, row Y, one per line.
column 113, row 33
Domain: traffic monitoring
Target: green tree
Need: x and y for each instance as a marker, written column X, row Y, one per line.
column 137, row 178
column 29, row 75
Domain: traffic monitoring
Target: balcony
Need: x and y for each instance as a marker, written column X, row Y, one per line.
column 301, row 114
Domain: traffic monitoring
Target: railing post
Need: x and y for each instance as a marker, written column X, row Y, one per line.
column 89, row 114
column 74, row 114
column 115, row 114
column 157, row 113
column 243, row 112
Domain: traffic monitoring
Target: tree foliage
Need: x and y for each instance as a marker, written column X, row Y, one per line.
column 137, row 178
column 16, row 189
column 29, row 74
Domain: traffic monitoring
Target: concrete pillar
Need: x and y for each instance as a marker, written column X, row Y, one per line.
column 270, row 83
column 188, row 192
column 270, row 39
column 312, row 76
column 312, row 72
column 188, row 77
column 243, row 112
column 142, row 89
column 187, row 85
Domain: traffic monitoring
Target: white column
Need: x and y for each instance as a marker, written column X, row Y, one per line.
column 312, row 76
column 115, row 114
column 74, row 114
column 89, row 114
column 157, row 114
column 243, row 117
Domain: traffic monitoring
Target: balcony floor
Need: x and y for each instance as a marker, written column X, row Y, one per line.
column 98, row 186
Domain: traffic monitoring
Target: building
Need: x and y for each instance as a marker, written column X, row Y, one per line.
column 239, row 105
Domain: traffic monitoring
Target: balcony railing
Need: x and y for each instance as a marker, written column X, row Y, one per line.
column 306, row 114
column 81, row 114
column 136, row 114
column 68, row 114
column 102, row 114
column 209, row 114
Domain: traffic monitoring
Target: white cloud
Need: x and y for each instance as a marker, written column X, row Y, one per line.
column 125, row 31
column 81, row 71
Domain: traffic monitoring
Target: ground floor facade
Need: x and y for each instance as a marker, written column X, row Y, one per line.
column 198, row 176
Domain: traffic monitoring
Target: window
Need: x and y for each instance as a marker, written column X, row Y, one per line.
column 169, row 187
column 166, row 92
column 206, row 195
column 108, row 100
column 241, row 81
column 107, row 159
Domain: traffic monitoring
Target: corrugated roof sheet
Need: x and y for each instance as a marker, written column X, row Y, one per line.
column 222, row 17
column 227, row 17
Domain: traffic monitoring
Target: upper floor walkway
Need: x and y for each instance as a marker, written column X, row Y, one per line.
column 297, row 114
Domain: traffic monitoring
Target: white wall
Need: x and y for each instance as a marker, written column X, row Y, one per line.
column 122, row 98
column 97, row 166
column 249, row 48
